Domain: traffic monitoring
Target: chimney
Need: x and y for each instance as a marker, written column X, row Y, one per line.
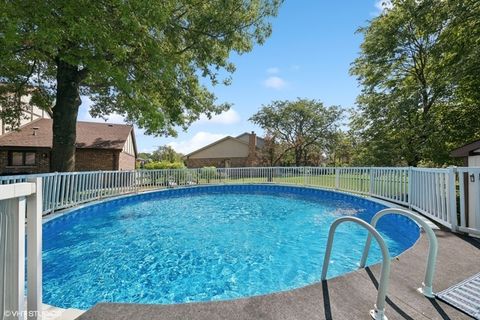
column 252, row 149
column 252, row 141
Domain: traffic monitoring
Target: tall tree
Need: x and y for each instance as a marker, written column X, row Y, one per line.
column 166, row 153
column 411, row 107
column 462, row 44
column 298, row 125
column 142, row 59
column 341, row 149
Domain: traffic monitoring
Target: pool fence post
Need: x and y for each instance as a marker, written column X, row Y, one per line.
column 372, row 181
column 452, row 198
column 410, row 187
column 53, row 194
column 34, row 251
column 102, row 184
column 337, row 178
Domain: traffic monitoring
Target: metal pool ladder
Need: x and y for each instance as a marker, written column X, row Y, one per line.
column 378, row 313
column 426, row 288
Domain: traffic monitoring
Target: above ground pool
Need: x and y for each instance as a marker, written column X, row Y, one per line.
column 206, row 243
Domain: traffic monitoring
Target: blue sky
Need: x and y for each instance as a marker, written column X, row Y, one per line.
column 308, row 55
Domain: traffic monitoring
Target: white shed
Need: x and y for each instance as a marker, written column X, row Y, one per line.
column 470, row 153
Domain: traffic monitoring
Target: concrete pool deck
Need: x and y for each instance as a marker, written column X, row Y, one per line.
column 347, row 297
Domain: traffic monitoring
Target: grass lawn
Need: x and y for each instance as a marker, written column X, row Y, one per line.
column 390, row 186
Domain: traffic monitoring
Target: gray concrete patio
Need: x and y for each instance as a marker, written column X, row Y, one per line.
column 347, row 297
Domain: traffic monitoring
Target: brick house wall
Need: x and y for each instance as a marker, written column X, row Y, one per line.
column 96, row 159
column 85, row 160
column 126, row 161
column 42, row 159
column 215, row 162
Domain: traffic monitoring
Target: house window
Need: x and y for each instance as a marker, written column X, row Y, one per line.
column 21, row 158
column 30, row 158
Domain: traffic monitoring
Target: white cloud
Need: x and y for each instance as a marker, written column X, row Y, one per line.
column 382, row 5
column 228, row 117
column 275, row 82
column 273, row 70
column 147, row 150
column 199, row 140
column 112, row 118
column 84, row 115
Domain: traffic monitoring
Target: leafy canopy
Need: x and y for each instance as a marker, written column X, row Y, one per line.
column 139, row 58
column 166, row 153
column 417, row 68
column 299, row 126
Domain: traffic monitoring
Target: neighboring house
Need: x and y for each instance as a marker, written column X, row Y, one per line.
column 100, row 146
column 141, row 162
column 30, row 113
column 240, row 151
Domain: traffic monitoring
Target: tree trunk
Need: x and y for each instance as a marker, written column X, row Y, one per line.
column 298, row 157
column 65, row 114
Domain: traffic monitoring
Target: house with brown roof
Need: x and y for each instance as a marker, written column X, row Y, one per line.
column 240, row 151
column 99, row 146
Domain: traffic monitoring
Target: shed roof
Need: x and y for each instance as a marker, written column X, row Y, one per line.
column 466, row 150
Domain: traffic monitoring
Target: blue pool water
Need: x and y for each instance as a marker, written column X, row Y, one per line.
column 206, row 243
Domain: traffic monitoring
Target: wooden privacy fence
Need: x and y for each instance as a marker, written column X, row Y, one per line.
column 449, row 196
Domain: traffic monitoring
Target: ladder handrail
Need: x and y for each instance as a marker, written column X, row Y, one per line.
column 432, row 247
column 379, row 307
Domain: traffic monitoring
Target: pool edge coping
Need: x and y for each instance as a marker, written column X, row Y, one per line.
column 52, row 216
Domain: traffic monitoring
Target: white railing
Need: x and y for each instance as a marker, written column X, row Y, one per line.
column 448, row 196
column 378, row 312
column 430, row 194
column 17, row 201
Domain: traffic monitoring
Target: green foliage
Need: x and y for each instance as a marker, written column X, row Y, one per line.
column 139, row 58
column 142, row 59
column 208, row 172
column 417, row 73
column 164, row 165
column 299, row 128
column 166, row 153
column 341, row 150
column 144, row 155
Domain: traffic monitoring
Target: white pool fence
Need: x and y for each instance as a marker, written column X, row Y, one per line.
column 449, row 196
column 20, row 203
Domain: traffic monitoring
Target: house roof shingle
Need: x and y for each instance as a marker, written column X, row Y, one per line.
column 90, row 135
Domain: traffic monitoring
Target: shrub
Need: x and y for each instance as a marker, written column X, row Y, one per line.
column 208, row 172
column 164, row 165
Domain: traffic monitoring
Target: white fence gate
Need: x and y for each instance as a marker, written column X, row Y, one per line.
column 17, row 201
column 469, row 200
